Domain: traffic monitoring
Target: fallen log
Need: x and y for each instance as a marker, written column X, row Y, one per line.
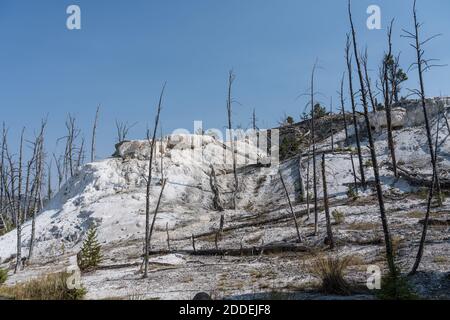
column 244, row 251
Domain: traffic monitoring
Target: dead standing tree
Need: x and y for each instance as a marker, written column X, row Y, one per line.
column 387, row 236
column 231, row 78
column 148, row 185
column 37, row 185
column 388, row 93
column 352, row 99
column 299, row 237
column 94, row 131
column 423, row 65
column 326, row 205
column 313, row 143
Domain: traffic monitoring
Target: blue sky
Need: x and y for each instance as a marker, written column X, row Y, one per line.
column 127, row 49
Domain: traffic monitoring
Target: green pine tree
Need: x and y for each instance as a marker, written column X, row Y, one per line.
column 90, row 256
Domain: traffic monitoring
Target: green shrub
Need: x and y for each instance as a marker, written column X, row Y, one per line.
column 368, row 164
column 396, row 287
column 352, row 192
column 3, row 276
column 90, row 256
column 338, row 216
column 50, row 287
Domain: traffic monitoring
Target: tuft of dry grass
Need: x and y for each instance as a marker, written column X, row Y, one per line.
column 331, row 272
column 363, row 226
column 49, row 287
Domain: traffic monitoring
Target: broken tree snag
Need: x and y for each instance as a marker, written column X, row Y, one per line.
column 387, row 236
column 231, row 78
column 290, row 207
column 94, row 131
column 193, row 243
column 217, row 201
column 168, row 237
column 156, row 211
column 330, row 239
column 352, row 99
column 301, row 184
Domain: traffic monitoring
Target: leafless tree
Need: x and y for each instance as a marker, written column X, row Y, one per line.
column 94, row 131
column 326, row 205
column 341, row 96
column 123, row 128
column 422, row 66
column 387, row 236
column 37, row 185
column 149, row 180
column 313, row 143
column 364, row 62
column 388, row 99
column 352, row 99
column 290, row 207
column 231, row 78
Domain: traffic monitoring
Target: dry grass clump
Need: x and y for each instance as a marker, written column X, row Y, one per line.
column 331, row 272
column 50, row 287
column 363, row 226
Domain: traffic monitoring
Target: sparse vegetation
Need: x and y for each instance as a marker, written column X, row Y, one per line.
column 352, row 192
column 368, row 164
column 3, row 276
column 331, row 271
column 338, row 217
column 396, row 287
column 50, row 287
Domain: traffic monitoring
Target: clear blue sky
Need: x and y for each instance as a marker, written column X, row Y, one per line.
column 127, row 49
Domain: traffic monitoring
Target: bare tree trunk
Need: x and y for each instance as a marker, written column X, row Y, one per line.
column 387, row 237
column 313, row 142
column 38, row 187
column 326, row 205
column 168, row 237
column 388, row 100
column 341, row 95
column 435, row 181
column 19, row 208
column 331, row 125
column 352, row 98
column 231, row 78
column 156, row 211
column 290, row 206
column 368, row 82
column 94, row 130
column 148, row 188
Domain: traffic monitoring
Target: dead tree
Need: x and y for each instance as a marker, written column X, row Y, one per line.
column 156, row 211
column 38, row 180
column 388, row 99
column 341, row 96
column 59, row 170
column 19, row 206
column 326, row 205
column 313, row 142
column 231, row 78
column 352, row 99
column 364, row 62
column 94, row 131
column 387, row 236
column 290, row 207
column 217, row 201
column 331, row 125
column 148, row 187
column 423, row 65
column 3, row 215
column 122, row 129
